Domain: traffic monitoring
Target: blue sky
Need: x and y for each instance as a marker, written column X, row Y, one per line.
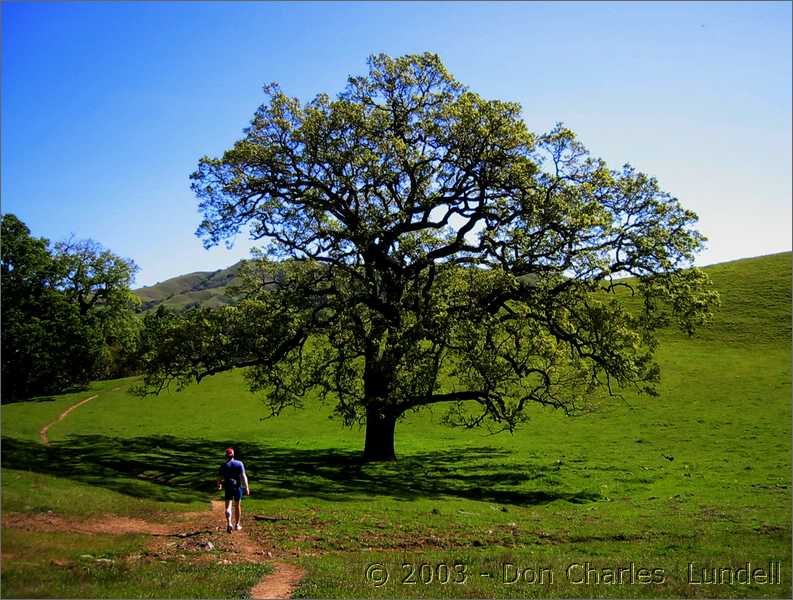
column 107, row 107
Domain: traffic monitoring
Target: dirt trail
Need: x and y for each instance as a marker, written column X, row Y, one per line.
column 278, row 584
column 241, row 542
column 43, row 433
column 194, row 530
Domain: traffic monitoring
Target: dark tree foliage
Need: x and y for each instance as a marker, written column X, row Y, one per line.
column 98, row 283
column 66, row 313
column 423, row 247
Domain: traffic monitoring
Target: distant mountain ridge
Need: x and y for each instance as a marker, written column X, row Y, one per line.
column 201, row 288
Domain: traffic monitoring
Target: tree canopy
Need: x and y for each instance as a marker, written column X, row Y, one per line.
column 67, row 312
column 422, row 246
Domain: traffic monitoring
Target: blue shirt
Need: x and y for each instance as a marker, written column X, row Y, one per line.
column 232, row 471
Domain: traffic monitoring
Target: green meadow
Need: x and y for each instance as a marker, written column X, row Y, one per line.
column 644, row 498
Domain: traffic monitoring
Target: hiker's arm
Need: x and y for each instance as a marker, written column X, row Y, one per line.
column 245, row 481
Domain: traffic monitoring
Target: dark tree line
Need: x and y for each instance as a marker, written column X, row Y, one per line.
column 68, row 315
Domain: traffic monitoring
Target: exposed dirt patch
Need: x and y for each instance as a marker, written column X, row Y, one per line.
column 715, row 514
column 772, row 530
column 110, row 524
column 195, row 537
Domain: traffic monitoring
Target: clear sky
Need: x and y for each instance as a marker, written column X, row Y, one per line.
column 107, row 107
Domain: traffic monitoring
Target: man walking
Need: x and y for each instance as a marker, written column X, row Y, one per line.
column 232, row 478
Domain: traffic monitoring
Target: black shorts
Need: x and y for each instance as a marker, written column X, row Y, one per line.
column 233, row 493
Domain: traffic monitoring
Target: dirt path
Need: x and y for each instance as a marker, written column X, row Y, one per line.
column 241, row 542
column 239, row 545
column 189, row 532
column 278, row 584
column 43, row 433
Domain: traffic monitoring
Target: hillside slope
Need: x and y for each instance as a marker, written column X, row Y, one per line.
column 754, row 293
column 755, row 298
column 201, row 288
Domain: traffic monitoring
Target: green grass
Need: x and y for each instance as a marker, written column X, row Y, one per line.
column 68, row 565
column 700, row 474
column 31, row 491
column 23, row 420
column 755, row 296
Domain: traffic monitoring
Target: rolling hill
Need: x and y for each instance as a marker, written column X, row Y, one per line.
column 201, row 288
column 751, row 289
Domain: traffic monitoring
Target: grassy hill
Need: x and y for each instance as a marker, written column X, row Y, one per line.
column 753, row 291
column 698, row 477
column 202, row 288
column 755, row 301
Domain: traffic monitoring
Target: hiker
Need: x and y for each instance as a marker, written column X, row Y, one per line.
column 232, row 478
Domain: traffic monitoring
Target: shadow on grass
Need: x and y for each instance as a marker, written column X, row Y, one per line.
column 30, row 400
column 174, row 469
column 44, row 397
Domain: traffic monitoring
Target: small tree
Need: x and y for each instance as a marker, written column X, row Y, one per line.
column 423, row 247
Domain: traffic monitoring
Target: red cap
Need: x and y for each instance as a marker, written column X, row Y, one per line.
column 229, row 451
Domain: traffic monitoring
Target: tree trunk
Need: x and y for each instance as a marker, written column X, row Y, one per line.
column 379, row 436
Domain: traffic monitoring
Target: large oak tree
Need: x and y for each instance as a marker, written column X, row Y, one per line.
column 422, row 246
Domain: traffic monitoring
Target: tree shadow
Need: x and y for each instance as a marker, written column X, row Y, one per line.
column 33, row 399
column 6, row 399
column 175, row 469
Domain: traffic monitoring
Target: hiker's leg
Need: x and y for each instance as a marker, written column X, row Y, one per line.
column 228, row 511
column 237, row 512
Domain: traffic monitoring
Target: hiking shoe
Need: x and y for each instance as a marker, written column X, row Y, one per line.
column 229, row 528
column 238, row 527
